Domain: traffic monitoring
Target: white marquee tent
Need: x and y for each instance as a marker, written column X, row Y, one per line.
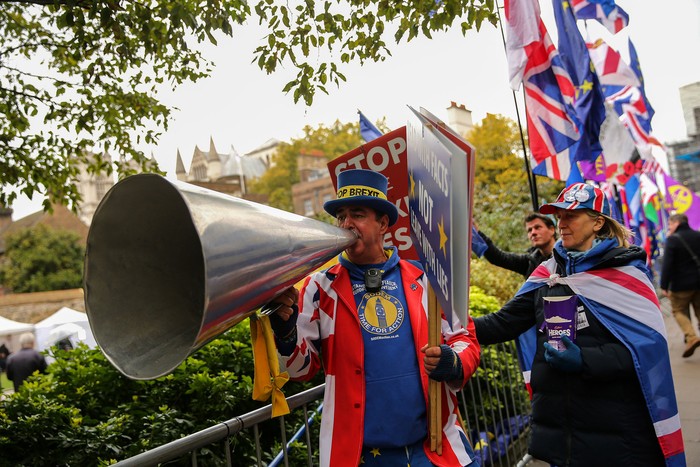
column 10, row 332
column 65, row 323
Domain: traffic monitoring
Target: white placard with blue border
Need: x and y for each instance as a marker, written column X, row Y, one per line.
column 438, row 212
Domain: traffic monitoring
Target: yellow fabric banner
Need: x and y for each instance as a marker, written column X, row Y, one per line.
column 267, row 379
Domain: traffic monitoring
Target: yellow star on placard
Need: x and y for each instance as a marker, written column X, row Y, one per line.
column 443, row 236
column 375, row 452
column 413, row 185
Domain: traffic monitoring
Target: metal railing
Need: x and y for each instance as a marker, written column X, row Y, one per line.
column 494, row 407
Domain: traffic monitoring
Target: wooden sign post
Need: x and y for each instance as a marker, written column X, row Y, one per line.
column 434, row 387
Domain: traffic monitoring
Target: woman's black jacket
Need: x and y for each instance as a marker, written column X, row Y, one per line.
column 597, row 417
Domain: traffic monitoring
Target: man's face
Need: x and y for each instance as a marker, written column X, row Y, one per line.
column 539, row 234
column 672, row 226
column 369, row 247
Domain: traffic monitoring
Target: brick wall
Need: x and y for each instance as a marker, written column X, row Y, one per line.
column 33, row 307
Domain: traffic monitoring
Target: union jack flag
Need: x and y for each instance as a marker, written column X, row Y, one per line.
column 627, row 99
column 609, row 190
column 622, row 88
column 565, row 166
column 630, row 105
column 640, row 129
column 588, row 103
column 557, row 167
column 611, row 69
column 605, row 12
column 521, row 29
column 639, row 126
column 549, row 93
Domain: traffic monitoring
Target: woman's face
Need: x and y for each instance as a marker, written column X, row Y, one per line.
column 577, row 229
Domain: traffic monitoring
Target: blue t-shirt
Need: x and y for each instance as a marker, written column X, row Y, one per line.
column 395, row 412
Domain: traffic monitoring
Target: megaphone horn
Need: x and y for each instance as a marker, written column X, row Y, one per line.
column 170, row 265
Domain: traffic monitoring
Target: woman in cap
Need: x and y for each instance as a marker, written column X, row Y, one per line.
column 606, row 398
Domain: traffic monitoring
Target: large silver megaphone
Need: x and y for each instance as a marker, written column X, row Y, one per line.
column 170, row 265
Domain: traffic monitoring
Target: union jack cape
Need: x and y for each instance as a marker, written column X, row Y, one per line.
column 632, row 314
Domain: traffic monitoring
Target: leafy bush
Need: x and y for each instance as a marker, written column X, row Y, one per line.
column 498, row 282
column 41, row 258
column 84, row 412
column 496, row 391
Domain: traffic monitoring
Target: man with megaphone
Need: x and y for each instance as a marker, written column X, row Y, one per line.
column 365, row 320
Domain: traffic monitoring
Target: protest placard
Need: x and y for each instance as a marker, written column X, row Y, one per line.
column 440, row 171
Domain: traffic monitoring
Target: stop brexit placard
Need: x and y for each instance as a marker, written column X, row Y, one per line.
column 387, row 155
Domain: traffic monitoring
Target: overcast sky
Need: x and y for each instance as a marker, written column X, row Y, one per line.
column 241, row 106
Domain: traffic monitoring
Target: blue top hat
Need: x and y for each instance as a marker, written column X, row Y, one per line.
column 579, row 196
column 362, row 188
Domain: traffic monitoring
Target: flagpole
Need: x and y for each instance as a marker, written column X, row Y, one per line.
column 617, row 200
column 530, row 176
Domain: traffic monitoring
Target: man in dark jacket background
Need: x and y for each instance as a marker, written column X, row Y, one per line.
column 541, row 232
column 21, row 365
column 680, row 277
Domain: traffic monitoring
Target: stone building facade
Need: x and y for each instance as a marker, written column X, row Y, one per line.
column 315, row 186
column 226, row 172
column 684, row 157
column 92, row 188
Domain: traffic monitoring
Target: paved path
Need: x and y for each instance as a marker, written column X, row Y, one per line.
column 686, row 380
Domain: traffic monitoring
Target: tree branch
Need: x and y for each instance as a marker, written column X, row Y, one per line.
column 27, row 95
column 83, row 4
column 44, row 44
column 41, row 77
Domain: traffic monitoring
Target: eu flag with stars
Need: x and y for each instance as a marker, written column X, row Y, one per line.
column 589, row 101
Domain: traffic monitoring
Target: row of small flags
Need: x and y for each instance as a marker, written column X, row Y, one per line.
column 607, row 94
column 587, row 113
